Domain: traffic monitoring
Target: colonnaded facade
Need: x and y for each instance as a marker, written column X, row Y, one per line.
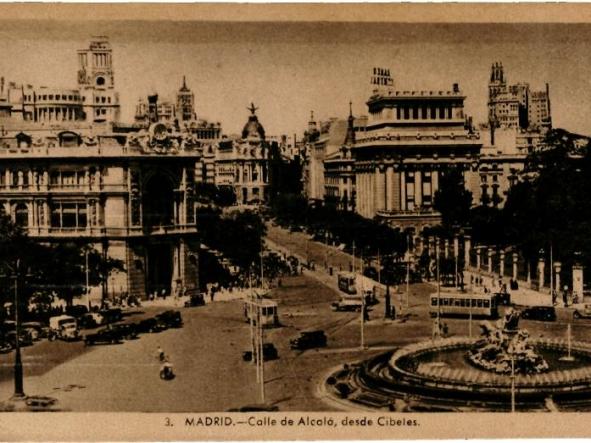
column 411, row 137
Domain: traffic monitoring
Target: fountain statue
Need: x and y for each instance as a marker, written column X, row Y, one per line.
column 504, row 346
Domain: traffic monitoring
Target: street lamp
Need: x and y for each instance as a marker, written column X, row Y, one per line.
column 19, row 392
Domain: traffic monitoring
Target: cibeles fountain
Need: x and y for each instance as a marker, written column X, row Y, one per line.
column 502, row 369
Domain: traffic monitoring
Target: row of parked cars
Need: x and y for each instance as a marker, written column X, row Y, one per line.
column 115, row 333
column 67, row 327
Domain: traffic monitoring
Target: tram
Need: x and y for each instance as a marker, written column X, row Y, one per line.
column 347, row 282
column 267, row 312
column 463, row 304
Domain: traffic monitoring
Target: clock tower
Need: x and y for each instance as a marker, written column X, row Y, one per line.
column 185, row 103
column 96, row 81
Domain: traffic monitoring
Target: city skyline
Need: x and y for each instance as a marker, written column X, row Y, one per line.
column 307, row 66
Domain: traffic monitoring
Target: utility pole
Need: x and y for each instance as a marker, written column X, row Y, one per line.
column 363, row 307
column 407, row 270
column 87, row 281
column 353, row 266
column 19, row 392
column 261, row 355
column 438, row 288
column 379, row 268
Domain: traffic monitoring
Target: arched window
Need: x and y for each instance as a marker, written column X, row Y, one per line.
column 21, row 215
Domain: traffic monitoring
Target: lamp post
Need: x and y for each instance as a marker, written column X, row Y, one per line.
column 19, row 392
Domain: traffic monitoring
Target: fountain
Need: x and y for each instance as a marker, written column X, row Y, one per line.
column 502, row 369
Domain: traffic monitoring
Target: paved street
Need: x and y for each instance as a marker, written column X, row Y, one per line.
column 207, row 353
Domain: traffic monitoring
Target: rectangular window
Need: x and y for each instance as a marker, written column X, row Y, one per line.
column 415, row 113
column 423, row 112
column 70, row 215
column 486, row 303
column 442, row 113
column 433, row 302
column 406, row 113
column 398, row 113
column 410, row 190
column 433, row 113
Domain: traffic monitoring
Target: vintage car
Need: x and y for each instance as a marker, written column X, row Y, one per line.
column 41, row 403
column 105, row 335
column 91, row 320
column 63, row 327
column 150, row 325
column 269, row 353
column 541, row 313
column 172, row 319
column 35, row 330
column 582, row 311
column 309, row 340
column 126, row 331
column 24, row 338
column 195, row 300
column 111, row 315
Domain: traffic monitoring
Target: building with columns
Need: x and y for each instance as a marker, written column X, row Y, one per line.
column 95, row 99
column 243, row 163
column 69, row 173
column 411, row 137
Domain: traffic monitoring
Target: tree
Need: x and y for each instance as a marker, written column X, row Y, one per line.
column 452, row 199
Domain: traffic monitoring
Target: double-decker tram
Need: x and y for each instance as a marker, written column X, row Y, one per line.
column 464, row 304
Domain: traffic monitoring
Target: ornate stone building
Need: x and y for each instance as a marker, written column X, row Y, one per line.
column 94, row 101
column 244, row 163
column 410, row 139
column 127, row 190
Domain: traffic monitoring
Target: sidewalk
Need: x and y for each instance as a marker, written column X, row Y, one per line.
column 522, row 296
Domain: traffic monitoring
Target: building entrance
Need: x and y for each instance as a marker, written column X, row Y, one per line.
column 160, row 268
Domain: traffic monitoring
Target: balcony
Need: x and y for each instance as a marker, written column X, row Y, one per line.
column 116, row 232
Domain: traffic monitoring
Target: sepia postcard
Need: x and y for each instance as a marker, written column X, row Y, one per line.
column 294, row 221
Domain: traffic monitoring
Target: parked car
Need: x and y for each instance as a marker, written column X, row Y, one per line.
column 172, row 319
column 111, row 315
column 582, row 311
column 91, row 320
column 35, row 330
column 76, row 310
column 541, row 313
column 195, row 300
column 269, row 353
column 151, row 325
column 5, row 346
column 63, row 327
column 105, row 335
column 24, row 339
column 309, row 340
column 126, row 331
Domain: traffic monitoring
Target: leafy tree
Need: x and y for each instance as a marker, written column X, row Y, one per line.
column 452, row 199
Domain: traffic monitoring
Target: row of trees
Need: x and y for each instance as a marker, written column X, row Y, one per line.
column 550, row 207
column 48, row 269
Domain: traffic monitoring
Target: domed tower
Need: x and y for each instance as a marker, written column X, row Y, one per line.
column 253, row 129
column 185, row 103
column 96, row 82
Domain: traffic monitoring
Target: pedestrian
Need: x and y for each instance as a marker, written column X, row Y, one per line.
column 212, row 294
column 554, row 297
column 565, row 296
column 436, row 329
column 365, row 313
column 160, row 354
column 392, row 312
column 444, row 330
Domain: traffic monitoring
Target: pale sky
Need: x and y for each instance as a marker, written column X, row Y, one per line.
column 289, row 69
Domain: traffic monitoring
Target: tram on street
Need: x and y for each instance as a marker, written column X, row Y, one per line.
column 347, row 282
column 463, row 304
column 263, row 309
